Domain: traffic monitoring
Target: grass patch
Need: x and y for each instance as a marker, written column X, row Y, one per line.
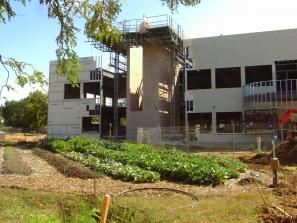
column 28, row 206
column 241, row 208
column 24, row 206
column 292, row 168
column 13, row 163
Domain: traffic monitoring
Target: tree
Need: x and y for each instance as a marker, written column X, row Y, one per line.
column 98, row 17
column 30, row 112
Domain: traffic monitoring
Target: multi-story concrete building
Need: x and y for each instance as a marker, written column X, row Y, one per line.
column 246, row 79
column 235, row 83
column 86, row 109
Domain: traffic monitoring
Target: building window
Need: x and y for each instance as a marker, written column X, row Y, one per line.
column 190, row 106
column 202, row 119
column 228, row 77
column 90, row 124
column 92, row 90
column 286, row 70
column 71, row 92
column 258, row 73
column 227, row 120
column 199, row 79
column 95, row 74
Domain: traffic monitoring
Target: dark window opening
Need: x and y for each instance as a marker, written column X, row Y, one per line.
column 71, row 92
column 286, row 70
column 190, row 106
column 202, row 119
column 228, row 77
column 95, row 74
column 258, row 121
column 92, row 90
column 199, row 79
column 258, row 73
column 227, row 120
column 90, row 124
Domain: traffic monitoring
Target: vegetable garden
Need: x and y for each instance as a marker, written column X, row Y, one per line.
column 145, row 163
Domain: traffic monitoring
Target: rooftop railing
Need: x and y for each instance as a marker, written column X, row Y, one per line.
column 133, row 26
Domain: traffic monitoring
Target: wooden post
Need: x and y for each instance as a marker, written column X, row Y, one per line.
column 233, row 138
column 274, row 163
column 105, row 208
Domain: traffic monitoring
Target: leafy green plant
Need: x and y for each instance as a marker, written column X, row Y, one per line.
column 115, row 169
column 129, row 161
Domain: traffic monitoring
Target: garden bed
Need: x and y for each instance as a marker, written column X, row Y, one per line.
column 13, row 163
column 144, row 163
column 65, row 166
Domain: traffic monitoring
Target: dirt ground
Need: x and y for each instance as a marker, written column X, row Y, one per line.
column 23, row 137
column 45, row 177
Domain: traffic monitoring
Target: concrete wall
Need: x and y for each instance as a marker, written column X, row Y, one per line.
column 158, row 76
column 65, row 115
column 263, row 48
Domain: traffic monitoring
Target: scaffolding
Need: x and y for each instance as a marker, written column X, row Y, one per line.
column 138, row 32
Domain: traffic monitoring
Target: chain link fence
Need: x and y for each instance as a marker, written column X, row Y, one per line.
column 194, row 139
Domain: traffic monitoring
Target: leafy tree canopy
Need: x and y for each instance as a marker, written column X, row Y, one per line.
column 30, row 112
column 98, row 17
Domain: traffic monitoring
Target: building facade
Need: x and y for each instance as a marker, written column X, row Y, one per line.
column 241, row 82
column 236, row 83
column 86, row 109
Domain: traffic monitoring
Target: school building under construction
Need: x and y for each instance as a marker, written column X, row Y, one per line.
column 158, row 79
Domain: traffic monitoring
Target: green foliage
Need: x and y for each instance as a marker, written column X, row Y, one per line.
column 98, row 17
column 30, row 112
column 115, row 169
column 27, row 206
column 170, row 164
column 173, row 4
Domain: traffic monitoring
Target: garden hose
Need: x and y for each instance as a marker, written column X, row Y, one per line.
column 194, row 198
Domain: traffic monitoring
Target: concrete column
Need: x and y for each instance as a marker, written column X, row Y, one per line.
column 214, row 123
column 273, row 72
column 81, row 89
column 242, row 76
column 213, row 78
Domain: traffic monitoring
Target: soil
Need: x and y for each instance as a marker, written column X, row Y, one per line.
column 23, row 137
column 65, row 166
column 270, row 215
column 14, row 165
column 46, row 178
column 286, row 153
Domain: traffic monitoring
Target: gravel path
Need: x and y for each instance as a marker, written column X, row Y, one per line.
column 47, row 178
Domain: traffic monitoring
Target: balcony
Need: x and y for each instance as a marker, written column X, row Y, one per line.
column 274, row 94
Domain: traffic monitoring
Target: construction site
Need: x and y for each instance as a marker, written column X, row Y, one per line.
column 164, row 88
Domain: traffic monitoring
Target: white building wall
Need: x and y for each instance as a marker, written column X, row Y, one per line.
column 252, row 49
column 65, row 115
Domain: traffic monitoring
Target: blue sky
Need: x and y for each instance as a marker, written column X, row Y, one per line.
column 30, row 36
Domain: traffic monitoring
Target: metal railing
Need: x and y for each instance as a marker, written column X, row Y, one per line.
column 270, row 94
column 132, row 26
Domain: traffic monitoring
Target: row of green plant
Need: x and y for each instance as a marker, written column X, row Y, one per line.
column 171, row 164
column 114, row 169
